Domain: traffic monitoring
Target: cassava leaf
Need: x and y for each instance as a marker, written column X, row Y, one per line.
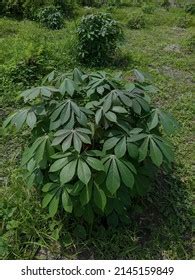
column 83, row 172
column 68, row 172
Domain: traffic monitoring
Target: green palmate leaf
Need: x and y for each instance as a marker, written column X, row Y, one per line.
column 83, row 130
column 77, row 76
column 19, row 118
column 119, row 109
column 84, row 138
column 166, row 150
column 71, row 137
column 135, row 138
column 143, row 150
column 168, row 122
column 67, row 143
column 113, row 178
column 83, row 172
column 154, row 120
column 126, row 174
column 95, row 163
column 130, row 166
column 111, row 117
column 136, row 130
column 43, row 92
column 67, row 202
column 86, row 193
column 54, row 203
column 74, row 190
column 98, row 115
column 125, row 100
column 110, row 143
column 48, row 187
column 60, row 138
column 77, row 143
column 107, row 103
column 71, row 123
column 136, row 107
column 155, row 153
column 67, row 86
column 130, row 87
column 58, row 110
column 40, row 152
column 139, row 76
column 68, row 172
column 31, row 119
column 54, row 125
column 143, row 103
column 120, row 148
column 29, row 152
column 132, row 150
column 48, row 197
column 58, row 164
column 65, row 114
column 99, row 198
column 75, row 108
column 8, row 120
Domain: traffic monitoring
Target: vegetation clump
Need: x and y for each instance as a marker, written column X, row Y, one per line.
column 51, row 17
column 98, row 36
column 96, row 143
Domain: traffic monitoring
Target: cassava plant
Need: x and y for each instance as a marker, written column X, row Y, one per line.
column 96, row 142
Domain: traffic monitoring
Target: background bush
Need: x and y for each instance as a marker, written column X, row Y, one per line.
column 51, row 17
column 98, row 35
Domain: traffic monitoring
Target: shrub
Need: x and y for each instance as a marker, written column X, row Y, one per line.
column 184, row 21
column 96, row 143
column 136, row 21
column 190, row 8
column 98, row 35
column 51, row 18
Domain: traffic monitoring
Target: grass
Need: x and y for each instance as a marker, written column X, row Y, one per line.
column 163, row 228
